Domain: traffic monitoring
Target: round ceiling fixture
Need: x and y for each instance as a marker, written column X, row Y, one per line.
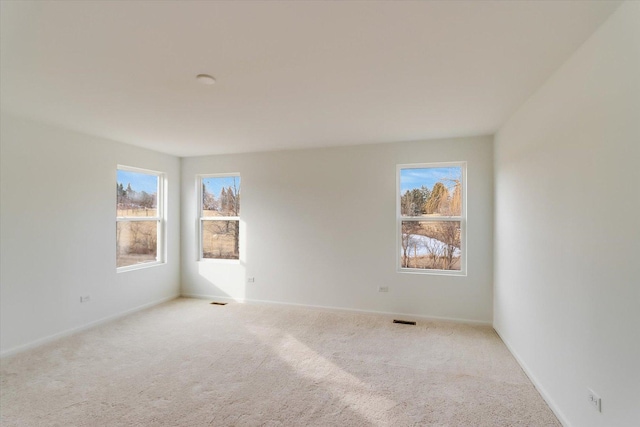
column 205, row 79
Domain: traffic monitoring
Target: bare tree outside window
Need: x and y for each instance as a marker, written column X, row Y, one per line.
column 431, row 217
column 138, row 218
column 220, row 217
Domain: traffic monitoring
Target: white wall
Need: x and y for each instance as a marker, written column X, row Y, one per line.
column 318, row 228
column 567, row 292
column 58, row 232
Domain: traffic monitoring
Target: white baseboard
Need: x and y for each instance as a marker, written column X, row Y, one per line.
column 543, row 392
column 72, row 331
column 406, row 316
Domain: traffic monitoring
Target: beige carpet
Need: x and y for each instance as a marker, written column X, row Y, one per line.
column 189, row 363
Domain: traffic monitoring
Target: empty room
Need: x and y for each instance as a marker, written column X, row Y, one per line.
column 320, row 213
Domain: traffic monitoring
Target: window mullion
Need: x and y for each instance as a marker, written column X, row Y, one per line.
column 220, row 218
column 431, row 218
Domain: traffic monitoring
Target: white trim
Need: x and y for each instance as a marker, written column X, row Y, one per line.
column 42, row 341
column 218, row 175
column 435, row 271
column 407, row 316
column 200, row 218
column 137, row 218
column 139, row 170
column 431, row 165
column 161, row 211
column 220, row 260
column 139, row 266
column 220, row 218
column 543, row 392
column 462, row 219
column 431, row 218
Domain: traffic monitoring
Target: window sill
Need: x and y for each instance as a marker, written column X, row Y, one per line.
column 140, row 266
column 432, row 272
column 219, row 261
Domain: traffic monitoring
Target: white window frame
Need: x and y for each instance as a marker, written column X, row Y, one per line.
column 159, row 218
column 201, row 219
column 462, row 219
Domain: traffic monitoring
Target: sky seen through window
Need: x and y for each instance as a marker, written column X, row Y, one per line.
column 411, row 178
column 139, row 181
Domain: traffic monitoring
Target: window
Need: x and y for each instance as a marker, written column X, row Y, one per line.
column 139, row 218
column 220, row 216
column 431, row 217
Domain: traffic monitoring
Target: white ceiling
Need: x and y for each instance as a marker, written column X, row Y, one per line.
column 289, row 74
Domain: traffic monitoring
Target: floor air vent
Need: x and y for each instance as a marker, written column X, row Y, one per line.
column 404, row 322
column 219, row 303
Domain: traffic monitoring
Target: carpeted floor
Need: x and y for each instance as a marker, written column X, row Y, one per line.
column 189, row 363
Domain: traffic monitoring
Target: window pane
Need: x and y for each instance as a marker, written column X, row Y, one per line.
column 137, row 194
column 136, row 242
column 220, row 239
column 221, row 196
column 431, row 191
column 430, row 245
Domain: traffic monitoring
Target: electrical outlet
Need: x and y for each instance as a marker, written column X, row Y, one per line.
column 251, row 279
column 383, row 289
column 85, row 298
column 594, row 400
